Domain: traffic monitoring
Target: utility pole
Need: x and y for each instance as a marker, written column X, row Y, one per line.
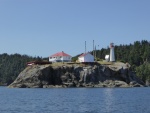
column 95, row 51
column 85, row 46
column 93, row 48
column 98, row 52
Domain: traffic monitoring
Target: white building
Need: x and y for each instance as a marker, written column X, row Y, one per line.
column 112, row 52
column 86, row 57
column 107, row 58
column 60, row 57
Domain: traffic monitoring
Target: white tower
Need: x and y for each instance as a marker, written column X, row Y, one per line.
column 112, row 53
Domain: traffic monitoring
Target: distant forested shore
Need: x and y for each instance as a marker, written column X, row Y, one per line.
column 136, row 54
column 12, row 65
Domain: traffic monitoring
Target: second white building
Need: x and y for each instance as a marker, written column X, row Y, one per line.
column 86, row 57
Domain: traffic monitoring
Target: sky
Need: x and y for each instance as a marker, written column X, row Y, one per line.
column 45, row 27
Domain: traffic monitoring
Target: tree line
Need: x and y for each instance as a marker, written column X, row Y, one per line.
column 12, row 65
column 136, row 54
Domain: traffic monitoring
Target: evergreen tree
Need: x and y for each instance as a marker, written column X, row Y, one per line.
column 12, row 65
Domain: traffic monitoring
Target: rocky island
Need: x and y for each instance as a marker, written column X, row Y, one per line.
column 77, row 75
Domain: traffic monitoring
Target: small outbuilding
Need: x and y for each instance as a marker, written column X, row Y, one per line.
column 107, row 58
column 60, row 57
column 37, row 63
column 86, row 57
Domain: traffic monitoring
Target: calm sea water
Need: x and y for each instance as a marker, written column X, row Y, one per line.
column 75, row 100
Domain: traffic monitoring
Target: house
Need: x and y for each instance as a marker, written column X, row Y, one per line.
column 86, row 57
column 60, row 57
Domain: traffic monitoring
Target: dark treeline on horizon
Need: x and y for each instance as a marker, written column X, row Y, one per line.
column 137, row 54
column 12, row 65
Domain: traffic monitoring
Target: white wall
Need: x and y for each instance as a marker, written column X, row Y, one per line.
column 107, row 58
column 68, row 58
column 112, row 54
column 61, row 59
column 81, row 59
column 89, row 58
column 86, row 58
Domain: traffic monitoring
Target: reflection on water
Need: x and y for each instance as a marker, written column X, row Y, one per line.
column 108, row 99
column 85, row 101
column 75, row 100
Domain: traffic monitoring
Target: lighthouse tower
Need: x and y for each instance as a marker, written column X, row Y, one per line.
column 112, row 53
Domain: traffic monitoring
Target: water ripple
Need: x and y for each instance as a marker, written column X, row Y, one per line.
column 75, row 100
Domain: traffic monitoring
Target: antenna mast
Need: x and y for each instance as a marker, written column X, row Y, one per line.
column 95, row 51
column 93, row 48
column 85, row 46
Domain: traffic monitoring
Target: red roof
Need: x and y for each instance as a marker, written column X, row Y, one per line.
column 60, row 54
column 84, row 54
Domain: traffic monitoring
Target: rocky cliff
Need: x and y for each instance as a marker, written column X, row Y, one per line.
column 77, row 75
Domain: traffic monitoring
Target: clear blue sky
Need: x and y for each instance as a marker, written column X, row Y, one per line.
column 44, row 27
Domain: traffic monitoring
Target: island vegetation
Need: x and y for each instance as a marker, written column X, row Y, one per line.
column 136, row 54
column 12, row 65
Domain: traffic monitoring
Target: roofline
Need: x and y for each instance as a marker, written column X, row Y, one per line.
column 55, row 55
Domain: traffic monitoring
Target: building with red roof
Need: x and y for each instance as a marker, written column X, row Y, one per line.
column 86, row 57
column 60, row 57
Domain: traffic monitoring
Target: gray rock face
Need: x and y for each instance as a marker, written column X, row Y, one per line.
column 46, row 76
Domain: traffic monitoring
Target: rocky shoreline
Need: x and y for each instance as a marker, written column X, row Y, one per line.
column 77, row 75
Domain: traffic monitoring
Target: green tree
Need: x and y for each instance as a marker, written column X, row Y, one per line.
column 12, row 65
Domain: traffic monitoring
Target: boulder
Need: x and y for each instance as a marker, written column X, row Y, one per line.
column 121, row 84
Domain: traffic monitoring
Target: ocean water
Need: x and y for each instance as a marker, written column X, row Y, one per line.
column 75, row 100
